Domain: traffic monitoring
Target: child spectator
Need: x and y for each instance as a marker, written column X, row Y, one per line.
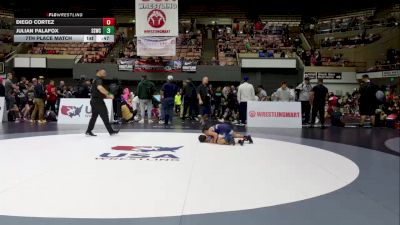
column 336, row 118
column 178, row 103
column 155, row 112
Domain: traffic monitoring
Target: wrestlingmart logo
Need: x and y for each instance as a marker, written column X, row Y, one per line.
column 142, row 153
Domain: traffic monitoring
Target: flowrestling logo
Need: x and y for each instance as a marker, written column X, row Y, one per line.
column 143, row 153
column 71, row 111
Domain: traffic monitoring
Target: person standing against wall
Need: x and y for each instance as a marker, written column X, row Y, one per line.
column 245, row 93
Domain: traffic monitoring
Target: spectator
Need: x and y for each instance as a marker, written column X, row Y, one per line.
column 368, row 101
column 333, row 102
column 204, row 98
column 318, row 59
column 245, row 93
column 318, row 97
column 214, row 61
column 40, row 96
column 83, row 89
column 283, row 94
column 14, row 113
column 127, row 111
column 189, row 95
column 51, row 97
column 22, row 84
column 67, row 93
column 60, row 89
column 168, row 92
column 2, row 88
column 304, row 90
column 135, row 103
column 126, row 96
column 178, row 103
column 24, row 102
column 337, row 118
column 217, row 97
column 9, row 86
column 146, row 91
column 117, row 90
column 155, row 112
column 261, row 93
column 231, row 107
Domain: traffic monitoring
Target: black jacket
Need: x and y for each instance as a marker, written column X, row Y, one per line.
column 39, row 91
column 189, row 91
column 2, row 90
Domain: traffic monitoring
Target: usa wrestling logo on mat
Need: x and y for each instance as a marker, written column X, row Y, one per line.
column 143, row 153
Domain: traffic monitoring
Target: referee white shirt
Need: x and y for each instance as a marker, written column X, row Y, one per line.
column 246, row 93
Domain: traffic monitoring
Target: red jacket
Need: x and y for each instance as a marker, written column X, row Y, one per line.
column 51, row 93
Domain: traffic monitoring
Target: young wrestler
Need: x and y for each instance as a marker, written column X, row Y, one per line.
column 222, row 134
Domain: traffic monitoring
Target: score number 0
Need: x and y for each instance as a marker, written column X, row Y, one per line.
column 108, row 21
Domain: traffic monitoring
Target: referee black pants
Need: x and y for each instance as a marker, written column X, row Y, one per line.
column 243, row 112
column 320, row 110
column 305, row 109
column 99, row 108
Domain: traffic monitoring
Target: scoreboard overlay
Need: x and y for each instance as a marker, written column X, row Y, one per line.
column 64, row 30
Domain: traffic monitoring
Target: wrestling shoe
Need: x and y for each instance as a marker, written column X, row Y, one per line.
column 114, row 132
column 241, row 142
column 248, row 138
column 90, row 133
column 232, row 141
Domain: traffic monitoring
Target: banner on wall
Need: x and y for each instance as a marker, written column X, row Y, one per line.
column 274, row 114
column 323, row 75
column 156, row 46
column 391, row 73
column 189, row 66
column 142, row 65
column 311, row 75
column 155, row 65
column 330, row 76
column 3, row 114
column 126, row 64
column 156, row 17
column 79, row 111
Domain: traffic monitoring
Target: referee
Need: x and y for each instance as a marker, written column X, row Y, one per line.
column 98, row 105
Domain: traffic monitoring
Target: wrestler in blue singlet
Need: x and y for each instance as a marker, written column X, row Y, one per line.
column 223, row 130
